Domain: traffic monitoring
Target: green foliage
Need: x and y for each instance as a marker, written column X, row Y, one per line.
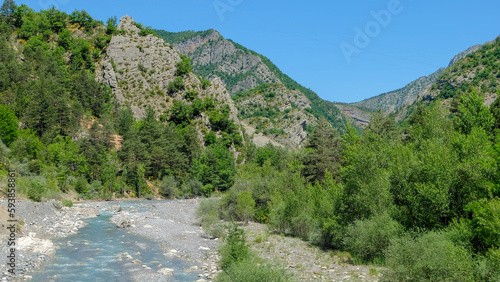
column 205, row 84
column 191, row 95
column 176, row 37
column 369, row 238
column 323, row 152
column 8, row 125
column 252, row 271
column 430, row 257
column 235, row 249
column 210, row 138
column 169, row 187
column 176, row 85
column 208, row 213
column 184, row 66
column 67, row 203
column 473, row 113
column 26, row 146
column 246, row 205
column 111, row 25
column 485, row 223
column 8, row 7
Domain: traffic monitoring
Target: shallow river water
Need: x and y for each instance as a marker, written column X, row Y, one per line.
column 92, row 254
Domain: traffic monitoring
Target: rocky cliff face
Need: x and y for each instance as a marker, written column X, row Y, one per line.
column 139, row 69
column 213, row 55
column 273, row 113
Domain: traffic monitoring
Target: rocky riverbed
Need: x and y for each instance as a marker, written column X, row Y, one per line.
column 37, row 224
column 170, row 223
column 174, row 225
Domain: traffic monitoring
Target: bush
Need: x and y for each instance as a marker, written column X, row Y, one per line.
column 369, row 238
column 240, row 264
column 36, row 188
column 81, row 185
column 246, row 205
column 184, row 66
column 205, row 84
column 235, row 249
column 208, row 213
column 176, row 85
column 168, row 187
column 252, row 271
column 191, row 95
column 67, row 203
column 430, row 257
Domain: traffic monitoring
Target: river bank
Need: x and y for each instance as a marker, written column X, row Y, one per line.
column 170, row 223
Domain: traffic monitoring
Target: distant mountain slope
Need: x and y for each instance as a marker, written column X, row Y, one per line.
column 479, row 69
column 242, row 69
column 391, row 102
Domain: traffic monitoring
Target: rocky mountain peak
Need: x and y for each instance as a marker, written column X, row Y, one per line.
column 127, row 23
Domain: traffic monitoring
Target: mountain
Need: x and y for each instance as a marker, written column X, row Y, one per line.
column 479, row 69
column 141, row 71
column 392, row 101
column 272, row 112
column 242, row 69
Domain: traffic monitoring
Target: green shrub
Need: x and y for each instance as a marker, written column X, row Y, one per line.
column 207, row 190
column 205, row 84
column 430, row 257
column 208, row 213
column 37, row 188
column 67, row 203
column 246, row 205
column 169, row 187
column 176, row 85
column 252, row 271
column 486, row 223
column 369, row 238
column 191, row 95
column 184, row 66
column 235, row 249
column 81, row 185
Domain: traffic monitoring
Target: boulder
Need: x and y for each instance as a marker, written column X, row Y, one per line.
column 166, row 271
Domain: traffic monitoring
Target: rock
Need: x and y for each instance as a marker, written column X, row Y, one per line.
column 166, row 271
column 56, row 204
column 121, row 221
column 35, row 245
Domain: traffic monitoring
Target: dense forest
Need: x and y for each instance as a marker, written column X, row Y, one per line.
column 65, row 133
column 420, row 198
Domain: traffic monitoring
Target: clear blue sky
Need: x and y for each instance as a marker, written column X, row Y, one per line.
column 304, row 38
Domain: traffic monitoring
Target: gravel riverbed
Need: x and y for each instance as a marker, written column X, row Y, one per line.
column 173, row 224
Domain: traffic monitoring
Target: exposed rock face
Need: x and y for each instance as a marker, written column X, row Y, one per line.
column 221, row 55
column 464, row 54
column 287, row 115
column 139, row 68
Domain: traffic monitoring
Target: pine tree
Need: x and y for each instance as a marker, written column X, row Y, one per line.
column 8, row 7
column 324, row 152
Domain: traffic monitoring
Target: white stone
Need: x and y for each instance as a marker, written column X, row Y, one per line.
column 166, row 271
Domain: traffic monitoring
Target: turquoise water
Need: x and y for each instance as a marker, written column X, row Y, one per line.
column 92, row 254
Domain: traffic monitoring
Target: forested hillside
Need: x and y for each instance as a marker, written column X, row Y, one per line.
column 68, row 136
column 421, row 199
column 242, row 69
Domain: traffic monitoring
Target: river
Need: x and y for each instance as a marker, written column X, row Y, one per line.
column 93, row 254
